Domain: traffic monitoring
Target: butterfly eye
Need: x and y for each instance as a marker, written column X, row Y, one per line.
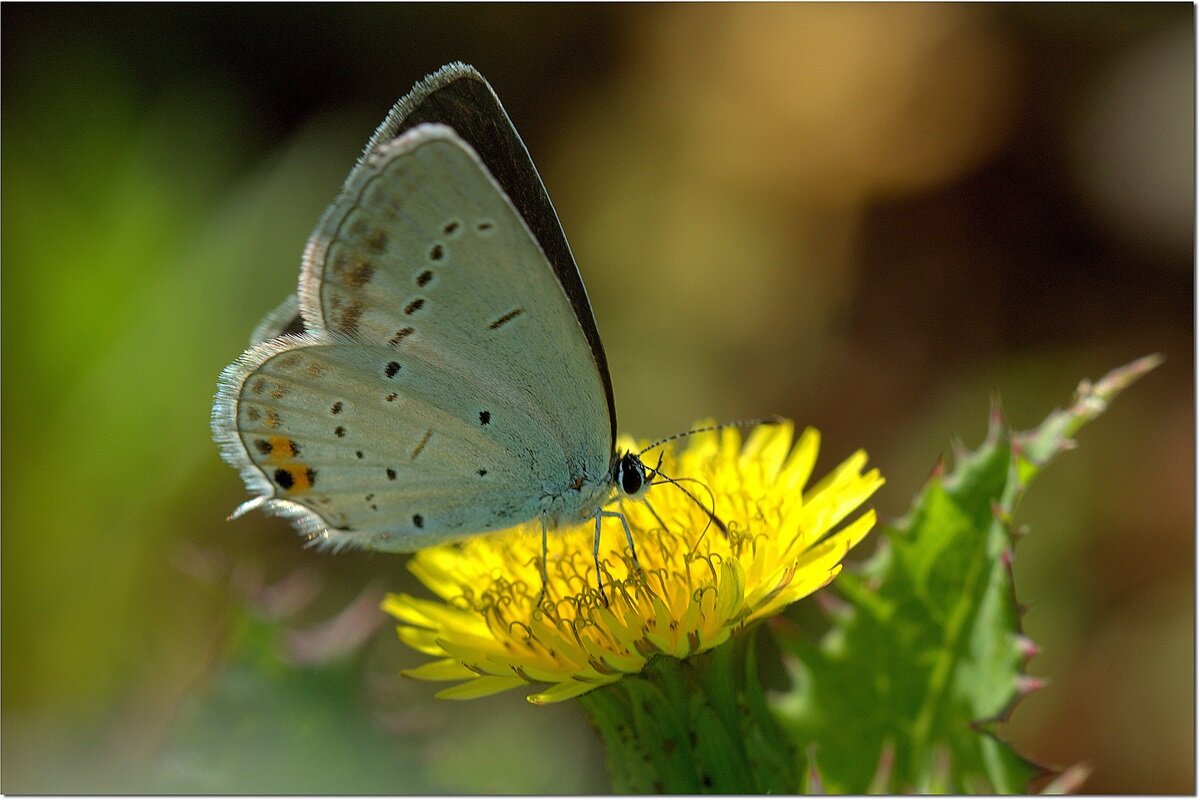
column 631, row 474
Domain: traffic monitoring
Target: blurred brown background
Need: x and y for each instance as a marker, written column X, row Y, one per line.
column 866, row 217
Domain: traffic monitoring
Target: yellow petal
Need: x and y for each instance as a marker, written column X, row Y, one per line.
column 420, row 639
column 446, row 669
column 560, row 692
column 700, row 582
column 480, row 687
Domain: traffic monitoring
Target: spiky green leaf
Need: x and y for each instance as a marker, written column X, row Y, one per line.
column 901, row 694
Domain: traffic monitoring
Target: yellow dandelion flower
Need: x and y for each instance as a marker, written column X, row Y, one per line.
column 698, row 586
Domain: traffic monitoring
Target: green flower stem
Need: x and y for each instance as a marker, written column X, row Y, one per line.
column 699, row 726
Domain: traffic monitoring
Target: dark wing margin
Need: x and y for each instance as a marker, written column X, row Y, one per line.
column 458, row 96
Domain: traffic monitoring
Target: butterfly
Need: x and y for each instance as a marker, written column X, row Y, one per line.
column 439, row 373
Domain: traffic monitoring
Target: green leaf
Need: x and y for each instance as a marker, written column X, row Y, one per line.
column 927, row 653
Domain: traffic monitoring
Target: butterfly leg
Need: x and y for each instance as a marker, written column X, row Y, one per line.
column 545, row 578
column 628, row 533
column 596, row 556
column 657, row 518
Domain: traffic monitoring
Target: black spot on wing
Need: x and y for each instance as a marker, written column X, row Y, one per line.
column 504, row 319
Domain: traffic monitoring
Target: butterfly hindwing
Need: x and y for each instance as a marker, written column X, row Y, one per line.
column 342, row 437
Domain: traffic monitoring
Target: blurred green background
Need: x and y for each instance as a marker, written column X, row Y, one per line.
column 867, row 218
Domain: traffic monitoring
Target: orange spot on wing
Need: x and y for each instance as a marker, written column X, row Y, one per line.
column 295, row 478
column 283, row 449
column 302, row 476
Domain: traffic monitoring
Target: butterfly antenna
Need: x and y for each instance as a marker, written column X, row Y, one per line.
column 740, row 423
column 709, row 510
column 656, row 469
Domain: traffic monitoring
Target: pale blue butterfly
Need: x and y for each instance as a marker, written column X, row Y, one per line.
column 440, row 374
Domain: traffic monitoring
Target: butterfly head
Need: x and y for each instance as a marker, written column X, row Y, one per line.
column 629, row 475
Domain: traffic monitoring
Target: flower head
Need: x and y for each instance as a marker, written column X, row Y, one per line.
column 698, row 583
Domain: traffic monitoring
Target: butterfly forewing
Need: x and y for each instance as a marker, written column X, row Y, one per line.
column 281, row 321
column 458, row 97
column 423, row 246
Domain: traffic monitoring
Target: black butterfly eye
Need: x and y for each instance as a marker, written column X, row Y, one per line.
column 631, row 473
